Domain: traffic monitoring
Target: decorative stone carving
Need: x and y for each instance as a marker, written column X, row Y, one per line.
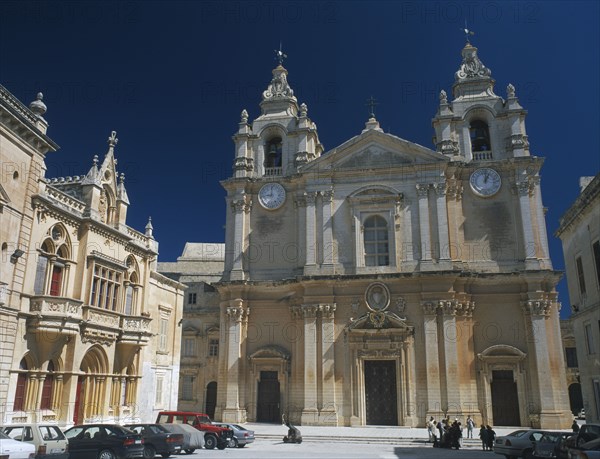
column 309, row 310
column 373, row 353
column 524, row 187
column 303, row 110
column 443, row 97
column 454, row 189
column 241, row 163
column 400, row 305
column 377, row 297
column 510, row 91
column 447, row 147
column 355, row 305
column 422, row 189
column 518, row 141
column 448, row 307
column 237, row 313
column 311, row 197
column 242, row 205
column 279, row 87
column 327, row 195
column 328, row 310
column 440, row 188
column 244, row 117
column 537, row 307
column 465, row 308
column 429, row 307
column 471, row 66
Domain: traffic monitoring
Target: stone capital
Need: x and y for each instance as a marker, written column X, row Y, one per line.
column 537, row 308
column 327, row 195
column 311, row 197
column 429, row 308
column 465, row 309
column 422, row 189
column 328, row 310
column 244, row 204
column 440, row 188
column 309, row 310
column 448, row 307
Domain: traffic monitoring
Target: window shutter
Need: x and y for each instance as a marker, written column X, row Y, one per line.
column 40, row 275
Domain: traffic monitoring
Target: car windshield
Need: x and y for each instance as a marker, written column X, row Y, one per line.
column 73, row 432
column 238, row 427
column 4, row 436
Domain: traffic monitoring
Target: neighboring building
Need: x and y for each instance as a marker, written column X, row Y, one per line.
column 198, row 268
column 580, row 234
column 385, row 282
column 85, row 295
column 573, row 378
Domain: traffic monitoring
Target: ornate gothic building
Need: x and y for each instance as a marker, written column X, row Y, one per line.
column 84, row 312
column 385, row 282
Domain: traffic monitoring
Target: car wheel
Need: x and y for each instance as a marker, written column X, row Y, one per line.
column 210, row 441
column 149, row 452
column 189, row 451
column 106, row 454
column 165, row 455
column 233, row 443
column 223, row 445
column 241, row 446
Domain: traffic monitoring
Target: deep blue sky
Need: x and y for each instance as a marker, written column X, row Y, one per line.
column 172, row 78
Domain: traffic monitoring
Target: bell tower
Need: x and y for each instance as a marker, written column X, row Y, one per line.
column 282, row 139
column 478, row 125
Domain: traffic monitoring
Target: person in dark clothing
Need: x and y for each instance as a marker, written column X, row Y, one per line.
column 483, row 434
column 575, row 426
column 490, row 437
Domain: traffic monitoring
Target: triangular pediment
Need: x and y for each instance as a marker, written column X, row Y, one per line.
column 375, row 150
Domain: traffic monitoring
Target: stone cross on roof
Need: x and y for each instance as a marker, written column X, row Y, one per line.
column 467, row 32
column 112, row 140
column 371, row 103
column 280, row 55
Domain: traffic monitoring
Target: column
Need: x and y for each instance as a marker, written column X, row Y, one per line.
column 310, row 414
column 468, row 375
column 328, row 414
column 422, row 193
column 537, row 311
column 523, row 190
column 450, row 334
column 407, row 234
column 541, row 222
column 311, row 241
column 432, row 364
column 442, row 219
column 235, row 313
column 240, row 208
column 328, row 249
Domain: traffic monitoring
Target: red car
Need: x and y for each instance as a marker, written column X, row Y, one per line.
column 214, row 435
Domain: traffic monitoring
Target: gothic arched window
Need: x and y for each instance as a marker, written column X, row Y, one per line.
column 480, row 136
column 53, row 263
column 376, row 241
column 47, row 388
column 273, row 152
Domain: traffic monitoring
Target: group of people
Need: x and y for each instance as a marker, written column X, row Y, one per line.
column 449, row 435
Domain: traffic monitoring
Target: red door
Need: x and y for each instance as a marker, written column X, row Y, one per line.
column 80, row 388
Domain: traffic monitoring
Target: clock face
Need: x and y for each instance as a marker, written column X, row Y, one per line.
column 271, row 196
column 485, row 182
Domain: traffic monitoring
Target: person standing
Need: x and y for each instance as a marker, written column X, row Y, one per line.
column 483, row 434
column 431, row 429
column 575, row 426
column 490, row 437
column 470, row 425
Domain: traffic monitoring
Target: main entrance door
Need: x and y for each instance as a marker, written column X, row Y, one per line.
column 380, row 392
column 267, row 406
column 505, row 399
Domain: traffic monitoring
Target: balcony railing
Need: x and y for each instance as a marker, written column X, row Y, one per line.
column 54, row 314
column 273, row 171
column 482, row 155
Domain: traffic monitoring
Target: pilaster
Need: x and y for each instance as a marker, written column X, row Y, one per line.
column 442, row 221
column 328, row 248
column 451, row 334
column 241, row 208
column 424, row 228
column 310, row 412
column 311, row 239
column 328, row 413
column 432, row 365
column 524, row 189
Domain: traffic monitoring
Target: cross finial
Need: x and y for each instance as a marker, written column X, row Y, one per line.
column 112, row 140
column 371, row 103
column 95, row 160
column 280, row 55
column 467, row 32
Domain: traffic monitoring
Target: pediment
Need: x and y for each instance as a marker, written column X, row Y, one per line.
column 271, row 352
column 384, row 320
column 376, row 150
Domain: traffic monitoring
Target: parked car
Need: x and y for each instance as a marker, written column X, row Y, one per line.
column 552, row 445
column 14, row 449
column 518, row 443
column 48, row 439
column 214, row 436
column 103, row 441
column 157, row 439
column 193, row 438
column 241, row 435
column 589, row 450
column 587, row 432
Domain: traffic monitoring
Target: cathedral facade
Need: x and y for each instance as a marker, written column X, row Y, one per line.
column 84, row 311
column 385, row 282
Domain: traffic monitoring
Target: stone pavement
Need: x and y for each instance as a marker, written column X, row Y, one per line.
column 364, row 434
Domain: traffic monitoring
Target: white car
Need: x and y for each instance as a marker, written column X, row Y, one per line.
column 15, row 449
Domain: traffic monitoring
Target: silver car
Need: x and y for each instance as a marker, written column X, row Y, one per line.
column 518, row 443
column 241, row 435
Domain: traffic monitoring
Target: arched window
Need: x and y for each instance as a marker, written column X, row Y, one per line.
column 480, row 136
column 376, row 241
column 273, row 152
column 20, row 393
column 53, row 263
column 132, row 286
